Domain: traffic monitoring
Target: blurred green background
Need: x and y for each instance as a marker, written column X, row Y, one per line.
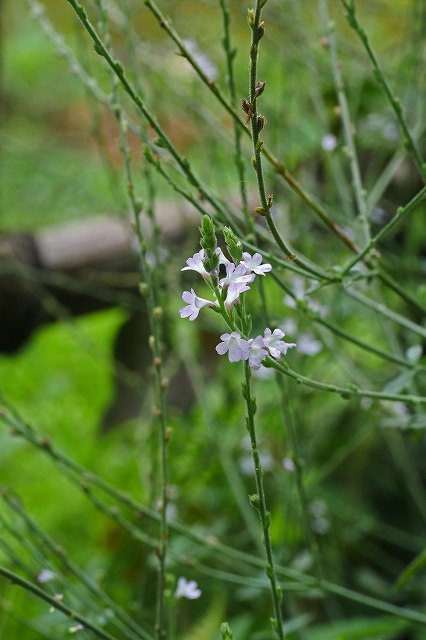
column 364, row 469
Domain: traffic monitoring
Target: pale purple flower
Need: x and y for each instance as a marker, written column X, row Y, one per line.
column 205, row 64
column 289, row 465
column 196, row 263
column 194, row 305
column 45, row 575
column 222, row 258
column 252, row 264
column 235, row 345
column 76, row 627
column 187, row 589
column 256, row 352
column 234, row 291
column 236, row 275
column 273, row 342
column 308, row 345
column 329, row 142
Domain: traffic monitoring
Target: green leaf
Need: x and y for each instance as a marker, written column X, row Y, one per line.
column 414, row 567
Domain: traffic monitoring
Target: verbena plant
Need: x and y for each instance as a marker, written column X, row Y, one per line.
column 310, row 212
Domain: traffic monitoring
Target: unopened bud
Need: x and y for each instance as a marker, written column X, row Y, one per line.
column 261, row 121
column 168, row 434
column 157, row 363
column 151, row 342
column 259, row 88
column 251, row 18
column 157, row 313
column 261, row 30
column 246, row 105
column 143, row 289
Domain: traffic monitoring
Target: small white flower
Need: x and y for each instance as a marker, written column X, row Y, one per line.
column 256, row 352
column 273, row 342
column 329, row 142
column 246, row 463
column 201, row 59
column 289, row 465
column 194, row 305
column 45, row 575
column 308, row 345
column 235, row 345
column 236, row 275
column 76, row 627
column 233, row 293
column 196, row 263
column 222, row 258
column 187, row 589
column 252, row 264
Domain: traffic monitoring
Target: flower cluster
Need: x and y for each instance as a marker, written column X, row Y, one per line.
column 226, row 292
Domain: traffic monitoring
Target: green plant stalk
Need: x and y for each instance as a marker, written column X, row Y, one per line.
column 401, row 212
column 299, row 464
column 383, row 310
column 239, row 161
column 351, row 391
column 131, row 628
column 56, row 604
column 259, row 502
column 77, row 472
column 155, row 315
column 348, row 126
column 278, row 166
column 378, row 72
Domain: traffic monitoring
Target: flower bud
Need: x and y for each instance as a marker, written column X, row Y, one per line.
column 259, row 88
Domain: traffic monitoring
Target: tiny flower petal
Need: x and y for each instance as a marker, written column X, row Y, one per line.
column 236, row 275
column 187, row 589
column 76, row 627
column 253, row 264
column 235, row 345
column 196, row 263
column 45, row 575
column 274, row 344
column 256, row 352
column 194, row 305
column 234, row 291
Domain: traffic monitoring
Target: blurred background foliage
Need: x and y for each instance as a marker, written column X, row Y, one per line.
column 364, row 461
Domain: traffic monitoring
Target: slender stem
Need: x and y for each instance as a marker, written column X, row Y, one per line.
column 348, row 126
column 239, row 161
column 401, row 212
column 53, row 602
column 382, row 80
column 83, row 478
column 351, row 391
column 259, row 502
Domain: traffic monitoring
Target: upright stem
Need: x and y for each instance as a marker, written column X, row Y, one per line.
column 258, row 501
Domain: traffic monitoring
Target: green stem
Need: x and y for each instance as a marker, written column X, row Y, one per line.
column 53, row 602
column 259, row 502
column 348, row 126
column 401, row 212
column 381, row 78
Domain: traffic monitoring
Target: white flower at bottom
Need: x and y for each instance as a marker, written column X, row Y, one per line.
column 187, row 589
column 235, row 345
column 272, row 341
column 256, row 352
column 194, row 304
